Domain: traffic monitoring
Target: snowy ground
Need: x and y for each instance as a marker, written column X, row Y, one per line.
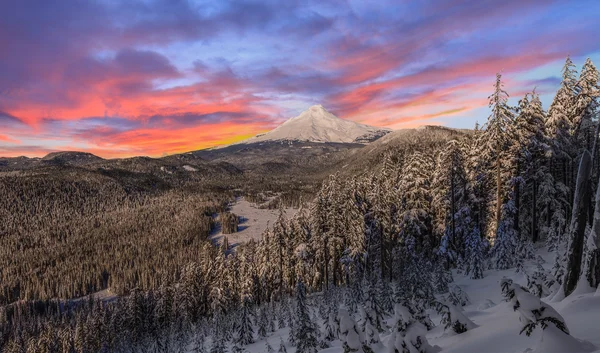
column 254, row 221
column 498, row 325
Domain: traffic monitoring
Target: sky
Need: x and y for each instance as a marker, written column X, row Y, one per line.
column 156, row 77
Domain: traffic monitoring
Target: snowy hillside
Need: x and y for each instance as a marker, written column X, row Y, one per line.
column 491, row 322
column 318, row 125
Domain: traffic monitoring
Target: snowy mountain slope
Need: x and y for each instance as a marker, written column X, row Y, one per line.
column 497, row 323
column 318, row 125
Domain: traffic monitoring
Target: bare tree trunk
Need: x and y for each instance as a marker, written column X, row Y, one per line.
column 517, row 195
column 326, row 258
column 593, row 272
column 534, row 220
column 453, row 205
column 578, row 223
column 498, row 188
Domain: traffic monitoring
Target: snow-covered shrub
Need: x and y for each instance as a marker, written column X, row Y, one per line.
column 533, row 313
column 244, row 326
column 476, row 247
column 331, row 325
column 532, row 310
column 408, row 335
column 374, row 308
column 442, row 277
column 282, row 348
column 457, row 296
column 525, row 251
column 350, row 334
column 486, row 304
column 453, row 318
column 505, row 243
column 540, row 282
column 371, row 333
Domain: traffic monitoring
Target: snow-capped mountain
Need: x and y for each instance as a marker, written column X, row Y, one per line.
column 318, row 125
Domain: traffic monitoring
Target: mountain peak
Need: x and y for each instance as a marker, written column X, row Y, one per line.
column 316, row 124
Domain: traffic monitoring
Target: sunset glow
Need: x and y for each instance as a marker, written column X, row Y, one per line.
column 155, row 77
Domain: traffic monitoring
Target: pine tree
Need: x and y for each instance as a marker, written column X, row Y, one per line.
column 245, row 331
column 585, row 105
column 305, row 332
column 263, row 323
column 451, row 198
column 331, row 327
column 370, row 332
column 476, row 246
column 505, row 243
column 282, row 348
column 497, row 139
column 218, row 340
column 373, row 306
column 199, row 344
column 415, row 213
column 529, row 152
column 350, row 334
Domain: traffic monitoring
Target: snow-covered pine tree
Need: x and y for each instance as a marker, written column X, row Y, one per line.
column 496, row 140
column 408, row 335
column 529, row 151
column 219, row 343
column 373, row 305
column 164, row 315
column 457, row 296
column 321, row 231
column 244, row 328
column 585, row 105
column 539, row 282
column 304, row 330
column 386, row 203
column 262, row 322
column 282, row 348
column 505, row 243
column 330, row 326
column 415, row 213
column 282, row 314
column 199, row 343
column 353, row 296
column 350, row 334
column 442, row 276
column 451, row 193
column 475, row 250
column 560, row 129
column 559, row 124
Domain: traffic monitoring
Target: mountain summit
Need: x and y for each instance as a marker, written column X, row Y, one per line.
column 316, row 124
